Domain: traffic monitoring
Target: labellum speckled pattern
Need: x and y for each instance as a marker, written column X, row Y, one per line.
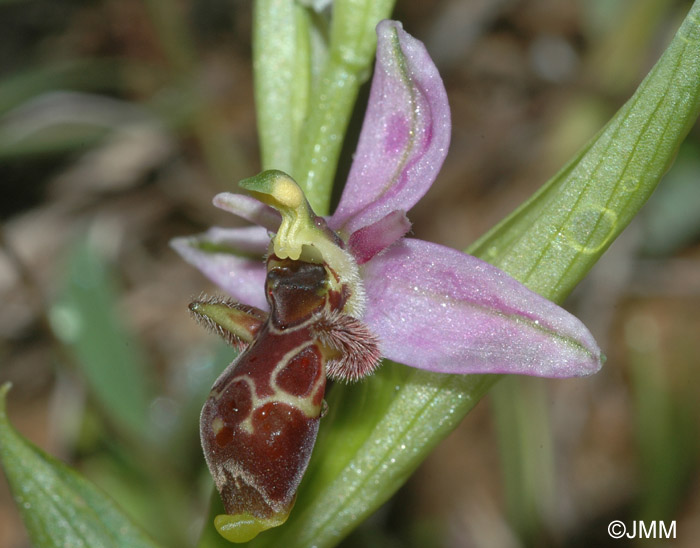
column 259, row 424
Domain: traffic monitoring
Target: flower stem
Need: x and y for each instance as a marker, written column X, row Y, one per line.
column 282, row 67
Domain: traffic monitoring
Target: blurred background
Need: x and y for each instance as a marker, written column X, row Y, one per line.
column 120, row 119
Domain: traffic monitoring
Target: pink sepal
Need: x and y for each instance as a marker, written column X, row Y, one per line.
column 405, row 135
column 438, row 309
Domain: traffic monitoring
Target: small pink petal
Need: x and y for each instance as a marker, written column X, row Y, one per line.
column 232, row 259
column 438, row 309
column 405, row 135
column 372, row 239
column 249, row 208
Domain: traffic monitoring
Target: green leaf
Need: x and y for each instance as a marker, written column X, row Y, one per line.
column 59, row 507
column 525, row 446
column 549, row 243
column 86, row 320
column 303, row 109
column 282, row 61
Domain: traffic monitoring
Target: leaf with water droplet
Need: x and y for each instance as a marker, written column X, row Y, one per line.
column 59, row 506
column 551, row 241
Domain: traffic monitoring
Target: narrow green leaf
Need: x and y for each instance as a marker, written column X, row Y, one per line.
column 549, row 243
column 319, row 34
column 663, row 376
column 525, row 447
column 282, row 66
column 59, row 507
column 552, row 240
column 85, row 318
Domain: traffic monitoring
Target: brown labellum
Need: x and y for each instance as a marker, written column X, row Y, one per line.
column 259, row 424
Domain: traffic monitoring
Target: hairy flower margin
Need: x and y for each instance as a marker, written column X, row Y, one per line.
column 430, row 306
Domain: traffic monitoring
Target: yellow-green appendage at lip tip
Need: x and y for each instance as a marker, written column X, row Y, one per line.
column 244, row 527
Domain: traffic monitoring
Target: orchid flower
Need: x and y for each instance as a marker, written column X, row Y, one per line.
column 429, row 306
column 336, row 294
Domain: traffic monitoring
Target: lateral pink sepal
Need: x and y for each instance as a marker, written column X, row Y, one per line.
column 438, row 309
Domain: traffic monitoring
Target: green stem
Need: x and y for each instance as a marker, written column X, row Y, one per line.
column 282, row 68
